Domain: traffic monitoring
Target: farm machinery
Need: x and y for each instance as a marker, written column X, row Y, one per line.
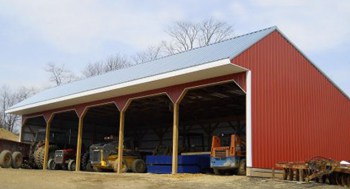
column 318, row 169
column 30, row 155
column 104, row 156
column 63, row 159
column 228, row 155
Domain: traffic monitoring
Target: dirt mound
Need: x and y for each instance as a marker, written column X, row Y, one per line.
column 5, row 134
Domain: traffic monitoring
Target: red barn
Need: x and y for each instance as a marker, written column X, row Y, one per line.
column 258, row 85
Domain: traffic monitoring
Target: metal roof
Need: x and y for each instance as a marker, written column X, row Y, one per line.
column 227, row 49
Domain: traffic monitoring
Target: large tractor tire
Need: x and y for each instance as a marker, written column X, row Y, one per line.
column 138, row 166
column 89, row 167
column 40, row 153
column 242, row 167
column 5, row 159
column 85, row 160
column 38, row 157
column 17, row 160
column 124, row 166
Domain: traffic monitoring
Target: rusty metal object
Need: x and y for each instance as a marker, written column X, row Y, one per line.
column 318, row 169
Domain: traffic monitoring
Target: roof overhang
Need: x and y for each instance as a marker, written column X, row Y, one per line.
column 195, row 73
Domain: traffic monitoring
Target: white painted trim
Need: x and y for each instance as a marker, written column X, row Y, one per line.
column 249, row 119
column 20, row 130
column 201, row 67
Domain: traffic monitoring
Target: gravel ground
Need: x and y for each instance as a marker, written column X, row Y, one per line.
column 38, row 179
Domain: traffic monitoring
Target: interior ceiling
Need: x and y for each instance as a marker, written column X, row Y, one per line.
column 213, row 101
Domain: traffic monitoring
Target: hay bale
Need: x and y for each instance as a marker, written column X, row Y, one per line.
column 5, row 134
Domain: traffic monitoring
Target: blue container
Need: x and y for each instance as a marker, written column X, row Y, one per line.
column 186, row 164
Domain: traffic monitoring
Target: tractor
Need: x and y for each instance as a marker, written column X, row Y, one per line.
column 104, row 156
column 63, row 159
column 58, row 139
column 228, row 155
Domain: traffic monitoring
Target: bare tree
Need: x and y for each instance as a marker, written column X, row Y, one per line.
column 59, row 74
column 185, row 36
column 111, row 63
column 116, row 62
column 93, row 69
column 212, row 31
column 7, row 99
column 151, row 53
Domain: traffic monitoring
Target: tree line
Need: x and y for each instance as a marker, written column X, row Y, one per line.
column 183, row 36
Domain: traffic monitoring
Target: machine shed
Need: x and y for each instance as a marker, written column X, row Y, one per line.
column 258, row 85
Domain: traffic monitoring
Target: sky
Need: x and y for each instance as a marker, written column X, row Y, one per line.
column 76, row 33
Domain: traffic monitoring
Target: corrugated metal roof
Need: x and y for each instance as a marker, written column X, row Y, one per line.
column 198, row 56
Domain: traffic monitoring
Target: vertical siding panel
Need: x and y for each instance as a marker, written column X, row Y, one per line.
column 296, row 112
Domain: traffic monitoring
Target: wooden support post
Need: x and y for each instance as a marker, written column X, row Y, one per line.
column 175, row 138
column 79, row 142
column 301, row 175
column 291, row 174
column 285, row 174
column 121, row 141
column 297, row 175
column 47, row 143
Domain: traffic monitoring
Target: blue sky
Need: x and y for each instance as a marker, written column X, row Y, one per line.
column 75, row 33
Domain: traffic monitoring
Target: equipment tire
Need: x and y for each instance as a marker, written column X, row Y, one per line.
column 51, row 164
column 89, row 167
column 242, row 167
column 5, row 159
column 85, row 160
column 71, row 165
column 138, row 166
column 218, row 171
column 17, row 160
column 40, row 153
column 124, row 166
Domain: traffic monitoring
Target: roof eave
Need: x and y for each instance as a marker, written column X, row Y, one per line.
column 195, row 73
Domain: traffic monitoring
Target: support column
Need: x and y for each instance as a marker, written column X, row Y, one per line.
column 175, row 138
column 121, row 141
column 79, row 142
column 47, row 142
column 249, row 149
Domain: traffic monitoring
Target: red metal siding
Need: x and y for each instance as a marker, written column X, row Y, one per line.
column 296, row 112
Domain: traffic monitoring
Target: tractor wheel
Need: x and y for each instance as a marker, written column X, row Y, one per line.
column 124, row 166
column 85, row 160
column 17, row 160
column 242, row 167
column 5, row 159
column 97, row 169
column 89, row 167
column 40, row 153
column 71, row 165
column 218, row 171
column 138, row 166
column 51, row 164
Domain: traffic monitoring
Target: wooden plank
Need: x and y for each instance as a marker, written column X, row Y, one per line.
column 194, row 153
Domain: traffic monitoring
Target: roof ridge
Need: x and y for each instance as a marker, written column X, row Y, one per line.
column 160, row 58
column 235, row 37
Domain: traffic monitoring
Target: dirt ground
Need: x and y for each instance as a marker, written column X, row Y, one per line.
column 39, row 179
